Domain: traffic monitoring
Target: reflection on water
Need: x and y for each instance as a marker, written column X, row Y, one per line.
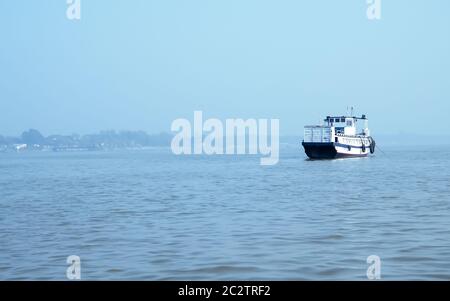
column 151, row 215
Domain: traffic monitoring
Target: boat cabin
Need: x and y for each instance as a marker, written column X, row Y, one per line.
column 344, row 125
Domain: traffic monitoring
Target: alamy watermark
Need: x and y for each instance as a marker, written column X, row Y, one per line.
column 374, row 9
column 237, row 136
column 73, row 11
column 374, row 269
column 73, row 272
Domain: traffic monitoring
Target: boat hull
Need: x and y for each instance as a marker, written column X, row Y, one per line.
column 330, row 150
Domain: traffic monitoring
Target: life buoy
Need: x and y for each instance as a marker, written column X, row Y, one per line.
column 372, row 146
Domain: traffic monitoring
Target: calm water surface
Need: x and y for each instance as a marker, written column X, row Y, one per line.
column 150, row 215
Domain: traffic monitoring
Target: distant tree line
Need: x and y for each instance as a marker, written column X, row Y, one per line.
column 33, row 139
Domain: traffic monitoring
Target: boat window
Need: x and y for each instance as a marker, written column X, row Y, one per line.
column 349, row 123
column 337, row 120
column 342, row 119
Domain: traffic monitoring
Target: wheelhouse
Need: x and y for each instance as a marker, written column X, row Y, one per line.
column 348, row 126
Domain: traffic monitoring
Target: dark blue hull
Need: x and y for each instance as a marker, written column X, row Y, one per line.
column 316, row 150
column 320, row 150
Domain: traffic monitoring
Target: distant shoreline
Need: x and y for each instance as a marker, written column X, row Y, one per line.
column 33, row 140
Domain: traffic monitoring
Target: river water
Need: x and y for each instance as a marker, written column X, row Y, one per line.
column 151, row 215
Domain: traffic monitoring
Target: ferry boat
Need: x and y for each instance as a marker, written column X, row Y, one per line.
column 338, row 137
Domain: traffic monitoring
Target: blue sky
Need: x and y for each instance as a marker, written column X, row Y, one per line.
column 139, row 64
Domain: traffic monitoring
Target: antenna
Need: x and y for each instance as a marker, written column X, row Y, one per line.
column 352, row 113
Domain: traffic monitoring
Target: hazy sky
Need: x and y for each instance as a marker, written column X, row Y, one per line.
column 139, row 64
